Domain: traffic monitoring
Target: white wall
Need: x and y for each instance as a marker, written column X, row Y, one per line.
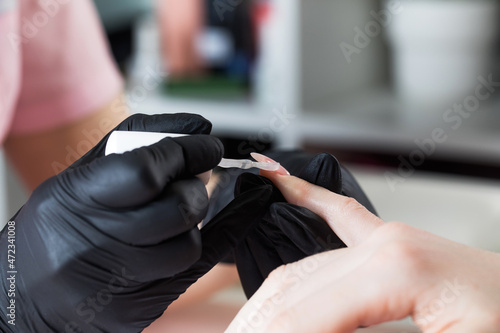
column 463, row 209
column 326, row 73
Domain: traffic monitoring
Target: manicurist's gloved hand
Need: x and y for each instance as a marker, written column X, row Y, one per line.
column 288, row 233
column 108, row 244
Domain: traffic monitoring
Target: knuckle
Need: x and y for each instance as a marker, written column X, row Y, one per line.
column 132, row 120
column 191, row 198
column 303, row 192
column 351, row 206
column 146, row 165
column 402, row 255
column 492, row 319
column 281, row 279
column 138, row 167
column 146, row 176
column 285, row 322
column 284, row 279
column 275, row 278
column 393, row 231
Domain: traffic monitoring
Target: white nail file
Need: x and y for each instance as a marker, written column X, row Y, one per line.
column 120, row 142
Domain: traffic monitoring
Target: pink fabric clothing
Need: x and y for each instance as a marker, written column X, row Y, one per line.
column 10, row 69
column 55, row 67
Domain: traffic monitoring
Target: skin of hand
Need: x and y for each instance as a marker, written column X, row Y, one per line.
column 389, row 271
column 219, row 278
column 196, row 310
column 39, row 156
column 180, row 23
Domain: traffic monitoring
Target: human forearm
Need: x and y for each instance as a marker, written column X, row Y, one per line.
column 38, row 156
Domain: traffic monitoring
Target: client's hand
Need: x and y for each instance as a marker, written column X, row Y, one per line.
column 388, row 271
column 288, row 232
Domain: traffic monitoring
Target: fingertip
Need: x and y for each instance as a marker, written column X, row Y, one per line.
column 264, row 159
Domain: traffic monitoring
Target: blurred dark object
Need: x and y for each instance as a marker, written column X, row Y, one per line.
column 119, row 18
column 238, row 148
column 393, row 161
column 208, row 48
column 238, row 23
column 122, row 46
column 216, row 86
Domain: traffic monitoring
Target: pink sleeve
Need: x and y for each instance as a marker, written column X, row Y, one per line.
column 10, row 69
column 67, row 71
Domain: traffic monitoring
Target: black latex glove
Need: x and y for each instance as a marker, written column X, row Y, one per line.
column 184, row 123
column 288, row 233
column 108, row 244
column 301, row 164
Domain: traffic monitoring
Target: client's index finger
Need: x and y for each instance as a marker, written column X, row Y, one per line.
column 350, row 220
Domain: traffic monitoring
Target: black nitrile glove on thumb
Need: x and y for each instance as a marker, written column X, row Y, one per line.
column 288, row 233
column 109, row 243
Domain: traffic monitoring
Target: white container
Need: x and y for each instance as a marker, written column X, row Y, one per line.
column 440, row 48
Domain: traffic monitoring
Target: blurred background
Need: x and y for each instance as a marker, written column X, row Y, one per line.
column 403, row 92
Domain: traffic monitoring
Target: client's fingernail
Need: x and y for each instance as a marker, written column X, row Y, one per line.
column 263, row 158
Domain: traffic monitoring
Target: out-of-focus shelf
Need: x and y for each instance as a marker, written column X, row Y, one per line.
column 370, row 121
column 228, row 117
column 375, row 122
